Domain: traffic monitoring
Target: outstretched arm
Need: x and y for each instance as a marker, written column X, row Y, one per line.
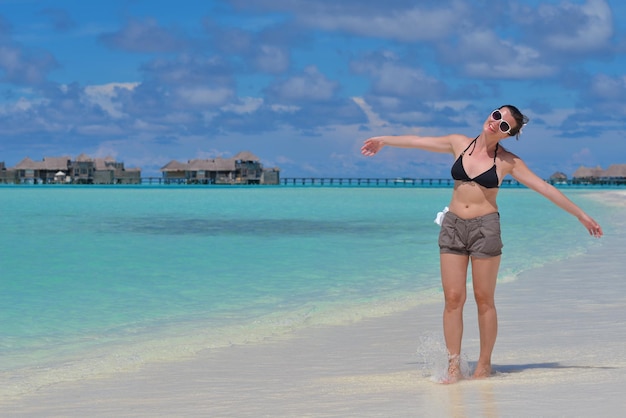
column 524, row 175
column 429, row 143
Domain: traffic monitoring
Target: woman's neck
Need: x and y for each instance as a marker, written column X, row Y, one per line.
column 487, row 143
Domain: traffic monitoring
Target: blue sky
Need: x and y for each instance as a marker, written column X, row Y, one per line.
column 301, row 83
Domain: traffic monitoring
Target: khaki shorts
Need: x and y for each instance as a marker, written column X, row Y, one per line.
column 477, row 237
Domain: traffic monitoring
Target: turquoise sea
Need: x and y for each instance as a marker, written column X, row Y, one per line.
column 96, row 280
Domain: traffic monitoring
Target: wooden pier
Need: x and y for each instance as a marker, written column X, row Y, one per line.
column 367, row 182
column 378, row 182
column 374, row 182
column 322, row 181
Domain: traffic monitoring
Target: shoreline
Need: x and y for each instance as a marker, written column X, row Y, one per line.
column 559, row 352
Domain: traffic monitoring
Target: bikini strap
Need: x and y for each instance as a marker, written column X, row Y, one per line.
column 495, row 154
column 470, row 144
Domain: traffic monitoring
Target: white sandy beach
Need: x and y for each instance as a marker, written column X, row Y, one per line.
column 561, row 351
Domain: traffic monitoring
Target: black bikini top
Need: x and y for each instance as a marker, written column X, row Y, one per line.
column 488, row 179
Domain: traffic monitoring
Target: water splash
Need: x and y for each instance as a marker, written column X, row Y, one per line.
column 434, row 359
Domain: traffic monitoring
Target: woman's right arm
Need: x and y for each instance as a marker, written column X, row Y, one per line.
column 442, row 144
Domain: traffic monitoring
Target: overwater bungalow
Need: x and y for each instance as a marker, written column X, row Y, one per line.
column 82, row 170
column 558, row 178
column 615, row 174
column 7, row 175
column 243, row 168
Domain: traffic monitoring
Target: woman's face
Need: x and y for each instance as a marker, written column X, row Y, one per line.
column 500, row 123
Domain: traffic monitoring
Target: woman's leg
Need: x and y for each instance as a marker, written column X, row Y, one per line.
column 484, row 276
column 453, row 280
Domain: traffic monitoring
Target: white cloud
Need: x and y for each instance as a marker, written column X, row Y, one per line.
column 22, row 104
column 310, row 85
column 609, row 88
column 106, row 149
column 410, row 24
column 147, row 128
column 282, row 159
column 204, row 96
column 403, row 80
column 595, row 31
column 393, row 77
column 510, row 70
column 272, row 59
column 284, row 108
column 375, row 121
column 145, row 36
column 484, row 54
column 103, row 95
column 245, row 105
column 99, row 130
column 178, row 118
column 582, row 156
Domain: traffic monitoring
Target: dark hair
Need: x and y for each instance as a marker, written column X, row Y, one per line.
column 520, row 118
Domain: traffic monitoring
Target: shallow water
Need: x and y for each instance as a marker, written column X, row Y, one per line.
column 99, row 279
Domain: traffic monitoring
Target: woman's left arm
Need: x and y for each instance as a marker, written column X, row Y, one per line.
column 520, row 172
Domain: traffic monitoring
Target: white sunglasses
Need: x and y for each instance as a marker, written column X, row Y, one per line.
column 505, row 128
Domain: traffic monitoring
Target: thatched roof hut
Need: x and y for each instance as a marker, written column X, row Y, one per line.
column 83, row 158
column 588, row 173
column 246, row 156
column 174, row 166
column 48, row 164
column 56, row 163
column 616, row 171
column 218, row 164
column 27, row 164
column 558, row 176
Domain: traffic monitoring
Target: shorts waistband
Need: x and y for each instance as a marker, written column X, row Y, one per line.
column 487, row 217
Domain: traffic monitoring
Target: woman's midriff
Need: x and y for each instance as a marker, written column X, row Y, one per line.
column 470, row 200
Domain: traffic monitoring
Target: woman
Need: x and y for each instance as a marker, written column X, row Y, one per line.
column 470, row 231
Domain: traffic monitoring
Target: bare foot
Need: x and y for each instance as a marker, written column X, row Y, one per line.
column 482, row 372
column 454, row 370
